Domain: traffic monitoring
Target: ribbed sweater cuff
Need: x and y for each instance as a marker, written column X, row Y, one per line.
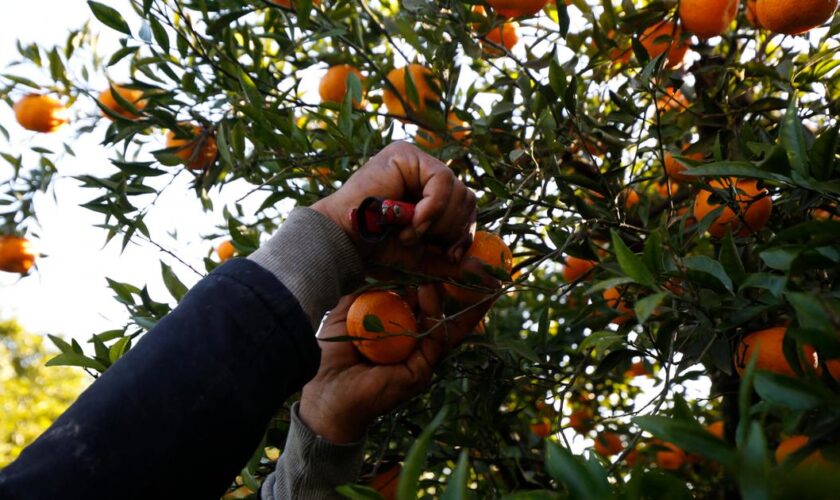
column 310, row 468
column 313, row 257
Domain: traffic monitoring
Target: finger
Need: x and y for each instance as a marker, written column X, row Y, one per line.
column 436, row 182
column 430, row 301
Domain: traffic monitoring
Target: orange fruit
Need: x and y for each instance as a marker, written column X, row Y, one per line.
column 608, row 444
column 424, row 83
column 662, row 189
column 134, row 96
column 752, row 17
column 16, row 254
column 674, row 167
column 576, row 268
column 289, row 4
column 708, row 18
column 542, row 429
column 581, row 420
column 198, row 152
column 621, row 54
column 637, row 369
column 767, row 346
column 793, row 444
column 506, row 35
column 333, row 86
column 833, row 366
column 517, row 8
column 671, row 458
column 631, row 198
column 633, row 458
column 665, row 37
column 391, row 338
column 41, row 113
column 673, row 99
column 716, row 429
column 321, row 173
column 457, row 128
column 490, row 249
column 387, row 481
column 754, row 206
column 791, row 17
column 612, row 296
column 823, row 214
column 225, row 250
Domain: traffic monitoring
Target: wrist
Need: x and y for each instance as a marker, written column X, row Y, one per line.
column 330, row 426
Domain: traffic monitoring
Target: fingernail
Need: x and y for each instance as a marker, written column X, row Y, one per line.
column 458, row 254
column 422, row 228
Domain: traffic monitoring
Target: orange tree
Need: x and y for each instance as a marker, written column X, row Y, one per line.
column 698, row 175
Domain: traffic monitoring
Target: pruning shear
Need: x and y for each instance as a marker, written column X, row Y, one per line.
column 376, row 217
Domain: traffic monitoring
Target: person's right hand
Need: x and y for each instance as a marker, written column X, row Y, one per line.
column 445, row 214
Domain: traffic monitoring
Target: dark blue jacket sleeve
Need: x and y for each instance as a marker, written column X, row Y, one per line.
column 181, row 412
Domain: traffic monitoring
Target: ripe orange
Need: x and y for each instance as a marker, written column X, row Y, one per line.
column 289, row 4
column 833, row 366
column 424, row 83
column 662, row 190
column 671, row 458
column 793, row 444
column 716, row 429
column 225, row 250
column 16, row 254
column 608, row 444
column 633, row 458
column 575, row 268
column 457, row 128
column 631, row 198
column 708, row 18
column 542, row 429
column 612, row 296
column 198, row 152
column 767, row 345
column 41, row 113
column 823, row 214
column 673, row 99
column 387, row 481
column 333, row 86
column 754, row 205
column 517, row 8
column 665, row 37
column 674, row 167
column 581, row 420
column 621, row 54
column 791, row 17
column 752, row 17
column 637, row 369
column 134, row 96
column 391, row 338
column 494, row 253
column 506, row 35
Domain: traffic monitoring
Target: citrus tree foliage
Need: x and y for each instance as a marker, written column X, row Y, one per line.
column 31, row 394
column 568, row 138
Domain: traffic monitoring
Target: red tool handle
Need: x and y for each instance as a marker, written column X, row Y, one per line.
column 375, row 217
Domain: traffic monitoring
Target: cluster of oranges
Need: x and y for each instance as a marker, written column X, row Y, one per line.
column 383, row 323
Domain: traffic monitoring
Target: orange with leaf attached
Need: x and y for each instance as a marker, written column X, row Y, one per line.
column 754, row 207
column 333, row 86
column 517, row 8
column 665, row 37
column 41, row 113
column 767, row 346
column 576, row 268
column 613, row 298
column 197, row 151
column 608, row 444
column 384, row 325
column 132, row 96
column 225, row 250
column 424, row 83
column 16, row 254
column 671, row 457
column 457, row 129
column 497, row 258
column 791, row 445
column 674, row 168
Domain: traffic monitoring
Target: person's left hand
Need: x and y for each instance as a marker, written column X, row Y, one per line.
column 349, row 392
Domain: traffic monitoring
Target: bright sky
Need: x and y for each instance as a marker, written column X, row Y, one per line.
column 68, row 295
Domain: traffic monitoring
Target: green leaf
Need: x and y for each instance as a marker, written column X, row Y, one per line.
column 810, row 312
column 772, row 282
column 632, row 265
column 109, row 17
column 689, row 436
column 533, row 495
column 780, row 258
column 793, row 139
column 823, row 154
column 160, row 34
column 607, row 284
column 786, row 392
column 414, row 461
column 753, row 473
column 570, row 471
column 654, row 258
column 118, row 349
column 76, row 359
column 373, row 324
column 736, row 169
column 601, row 341
column 704, row 264
column 731, row 259
column 456, row 488
column 173, row 284
column 358, row 492
column 645, row 307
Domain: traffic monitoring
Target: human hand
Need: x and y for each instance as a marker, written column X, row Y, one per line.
column 348, row 392
column 446, row 208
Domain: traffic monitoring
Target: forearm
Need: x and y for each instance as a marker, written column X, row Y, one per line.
column 191, row 400
column 310, row 468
